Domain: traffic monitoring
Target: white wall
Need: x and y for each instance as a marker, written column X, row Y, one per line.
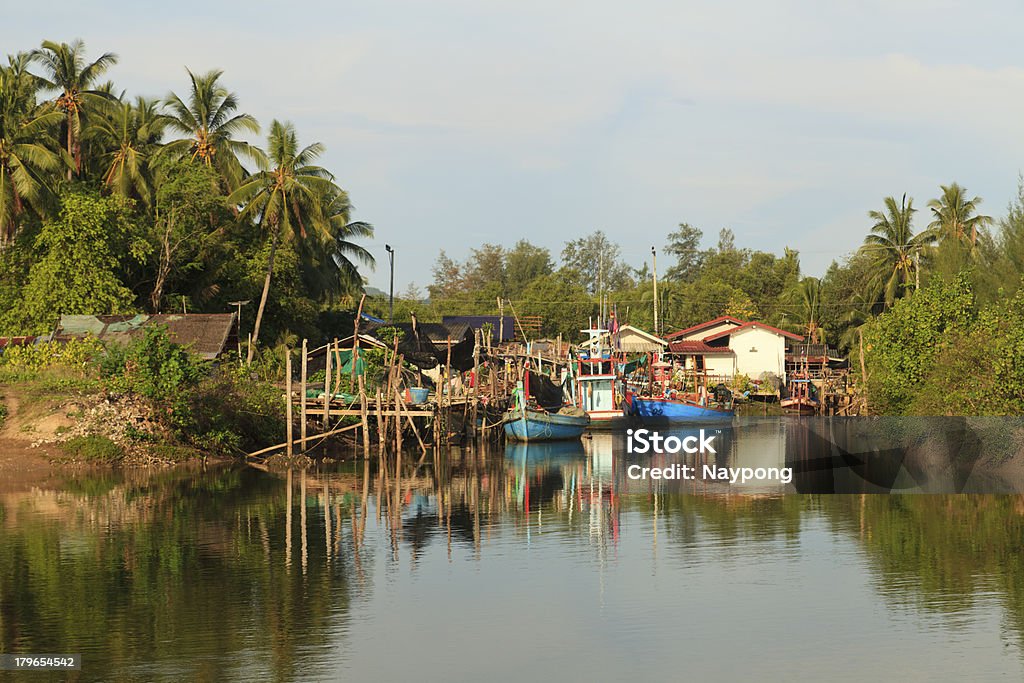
column 720, row 364
column 758, row 351
column 704, row 334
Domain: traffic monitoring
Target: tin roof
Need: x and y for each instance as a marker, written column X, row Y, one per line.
column 206, row 334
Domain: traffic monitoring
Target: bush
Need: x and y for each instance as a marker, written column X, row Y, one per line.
column 93, row 447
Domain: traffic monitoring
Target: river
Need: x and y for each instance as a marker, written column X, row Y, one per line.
column 536, row 563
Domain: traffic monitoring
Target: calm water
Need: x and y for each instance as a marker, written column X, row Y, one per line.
column 529, row 564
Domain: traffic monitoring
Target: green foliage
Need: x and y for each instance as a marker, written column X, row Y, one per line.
column 76, row 353
column 389, row 334
column 94, row 448
column 84, row 254
column 902, row 345
column 152, row 366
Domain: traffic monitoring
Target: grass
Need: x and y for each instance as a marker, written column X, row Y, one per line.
column 94, row 448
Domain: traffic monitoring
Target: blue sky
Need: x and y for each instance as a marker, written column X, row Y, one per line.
column 453, row 122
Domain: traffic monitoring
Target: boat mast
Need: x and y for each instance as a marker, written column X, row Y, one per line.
column 654, row 258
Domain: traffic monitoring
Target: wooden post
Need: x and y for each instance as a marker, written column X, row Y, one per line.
column 327, row 519
column 288, row 402
column 476, row 380
column 381, row 434
column 339, row 364
column 364, row 416
column 448, row 392
column 398, row 422
column 355, row 344
column 327, row 387
column 302, row 396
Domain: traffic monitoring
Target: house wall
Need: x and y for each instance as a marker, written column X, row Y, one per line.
column 703, row 334
column 720, row 364
column 758, row 351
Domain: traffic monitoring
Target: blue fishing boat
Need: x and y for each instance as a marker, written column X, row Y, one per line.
column 663, row 409
column 528, row 424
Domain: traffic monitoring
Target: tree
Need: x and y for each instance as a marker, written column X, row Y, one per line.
column 211, row 126
column 189, row 208
column 524, row 263
column 286, row 198
column 894, row 249
column 684, row 245
column 810, row 307
column 448, row 277
column 129, row 135
column 84, row 253
column 485, row 270
column 330, row 266
column 66, row 71
column 956, row 216
column 598, row 263
column 28, row 153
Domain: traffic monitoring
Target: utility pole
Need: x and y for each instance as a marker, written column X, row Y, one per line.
column 391, row 295
column 654, row 259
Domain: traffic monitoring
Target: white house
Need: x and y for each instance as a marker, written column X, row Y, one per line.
column 727, row 346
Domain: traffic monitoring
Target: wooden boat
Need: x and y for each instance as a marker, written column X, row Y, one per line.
column 537, row 424
column 677, row 409
column 597, row 385
column 801, row 399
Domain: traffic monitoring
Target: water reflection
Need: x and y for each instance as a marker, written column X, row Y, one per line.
column 524, row 557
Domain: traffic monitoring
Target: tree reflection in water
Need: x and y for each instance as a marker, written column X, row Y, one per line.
column 241, row 573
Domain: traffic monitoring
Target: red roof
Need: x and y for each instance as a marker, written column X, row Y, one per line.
column 710, row 323
column 696, row 346
column 724, row 333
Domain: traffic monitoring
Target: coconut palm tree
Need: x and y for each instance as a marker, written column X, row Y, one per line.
column 66, row 71
column 129, row 135
column 337, row 258
column 286, row 199
column 893, row 248
column 29, row 154
column 956, row 216
column 809, row 292
column 210, row 126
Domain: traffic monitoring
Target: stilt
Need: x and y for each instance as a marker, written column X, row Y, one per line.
column 302, row 396
column 288, row 402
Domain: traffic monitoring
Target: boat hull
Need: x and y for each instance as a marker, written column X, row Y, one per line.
column 539, row 426
column 668, row 410
column 799, row 406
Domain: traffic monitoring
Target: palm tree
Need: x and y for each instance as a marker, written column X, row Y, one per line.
column 211, row 126
column 336, row 258
column 66, row 71
column 28, row 152
column 285, row 198
column 809, row 291
column 893, row 248
column 130, row 135
column 956, row 216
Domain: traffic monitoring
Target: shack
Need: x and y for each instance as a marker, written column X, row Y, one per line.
column 208, row 335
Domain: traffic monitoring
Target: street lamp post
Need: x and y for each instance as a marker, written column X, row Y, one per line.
column 391, row 295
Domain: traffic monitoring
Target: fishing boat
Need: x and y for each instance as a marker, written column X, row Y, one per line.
column 539, row 414
column 657, row 400
column 801, row 399
column 536, row 424
column 598, row 386
column 678, row 408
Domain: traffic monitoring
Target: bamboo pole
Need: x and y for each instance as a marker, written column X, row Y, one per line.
column 327, row 387
column 288, row 402
column 268, row 449
column 364, row 418
column 355, row 344
column 302, row 394
column 476, row 380
column 381, row 434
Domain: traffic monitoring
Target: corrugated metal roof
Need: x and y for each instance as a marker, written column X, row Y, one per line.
column 206, row 334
